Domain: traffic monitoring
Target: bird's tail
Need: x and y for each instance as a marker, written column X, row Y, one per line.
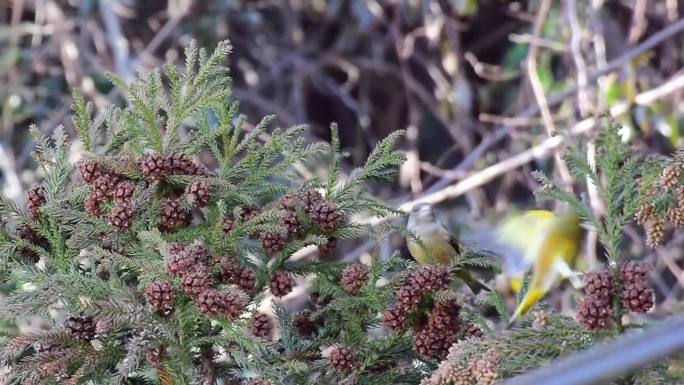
column 531, row 298
column 473, row 283
column 476, row 286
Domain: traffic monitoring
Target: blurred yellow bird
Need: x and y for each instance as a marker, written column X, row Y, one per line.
column 439, row 246
column 549, row 245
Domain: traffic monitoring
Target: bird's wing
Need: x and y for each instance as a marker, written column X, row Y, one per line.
column 454, row 243
column 522, row 232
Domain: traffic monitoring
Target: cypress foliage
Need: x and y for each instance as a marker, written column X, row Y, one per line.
column 151, row 256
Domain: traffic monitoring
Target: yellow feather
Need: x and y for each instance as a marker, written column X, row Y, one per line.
column 558, row 241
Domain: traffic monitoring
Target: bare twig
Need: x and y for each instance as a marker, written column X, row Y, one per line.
column 487, row 71
column 117, row 40
column 584, row 102
column 538, row 41
column 639, row 21
column 518, row 121
column 538, row 89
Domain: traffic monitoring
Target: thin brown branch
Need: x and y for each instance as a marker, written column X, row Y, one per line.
column 208, row 367
column 538, row 89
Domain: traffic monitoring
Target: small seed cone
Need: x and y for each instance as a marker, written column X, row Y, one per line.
column 670, row 176
column 655, row 233
column 342, row 359
column 281, row 284
column 594, row 313
column 353, row 278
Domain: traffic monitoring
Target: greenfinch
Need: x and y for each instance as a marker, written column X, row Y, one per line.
column 439, row 246
column 549, row 245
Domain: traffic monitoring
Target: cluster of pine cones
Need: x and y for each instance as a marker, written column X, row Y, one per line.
column 480, row 371
column 200, row 274
column 80, row 327
column 298, row 209
column 654, row 221
column 443, row 326
column 601, row 289
column 35, row 199
column 114, row 189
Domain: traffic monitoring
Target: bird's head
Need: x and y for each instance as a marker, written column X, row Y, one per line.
column 421, row 213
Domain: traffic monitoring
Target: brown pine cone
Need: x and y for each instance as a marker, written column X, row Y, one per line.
column 153, row 166
column 291, row 223
column 541, row 319
column 26, row 233
column 233, row 305
column 325, row 215
column 105, row 185
column 444, row 316
column 353, row 278
column 291, row 202
column 600, row 285
column 121, row 216
column 172, row 215
column 198, row 253
column 80, row 327
column 272, row 242
column 228, row 225
column 281, row 283
column 634, row 273
column 89, row 170
column 227, row 270
column 394, row 318
column 637, row 297
column 644, row 214
column 342, row 359
column 232, row 273
column 655, row 232
column 485, row 369
column 258, row 381
column 303, row 324
column 670, row 176
column 676, row 216
column 211, row 302
column 93, row 204
column 430, row 278
column 328, row 247
column 679, row 192
column 180, row 264
column 472, row 331
column 594, row 313
column 183, row 164
column 124, row 191
column 261, row 326
column 199, row 192
column 35, row 199
column 248, row 212
column 408, row 297
column 161, row 295
column 196, row 281
column 155, row 355
column 433, row 343
column 310, row 199
column 245, row 278
column 176, row 248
